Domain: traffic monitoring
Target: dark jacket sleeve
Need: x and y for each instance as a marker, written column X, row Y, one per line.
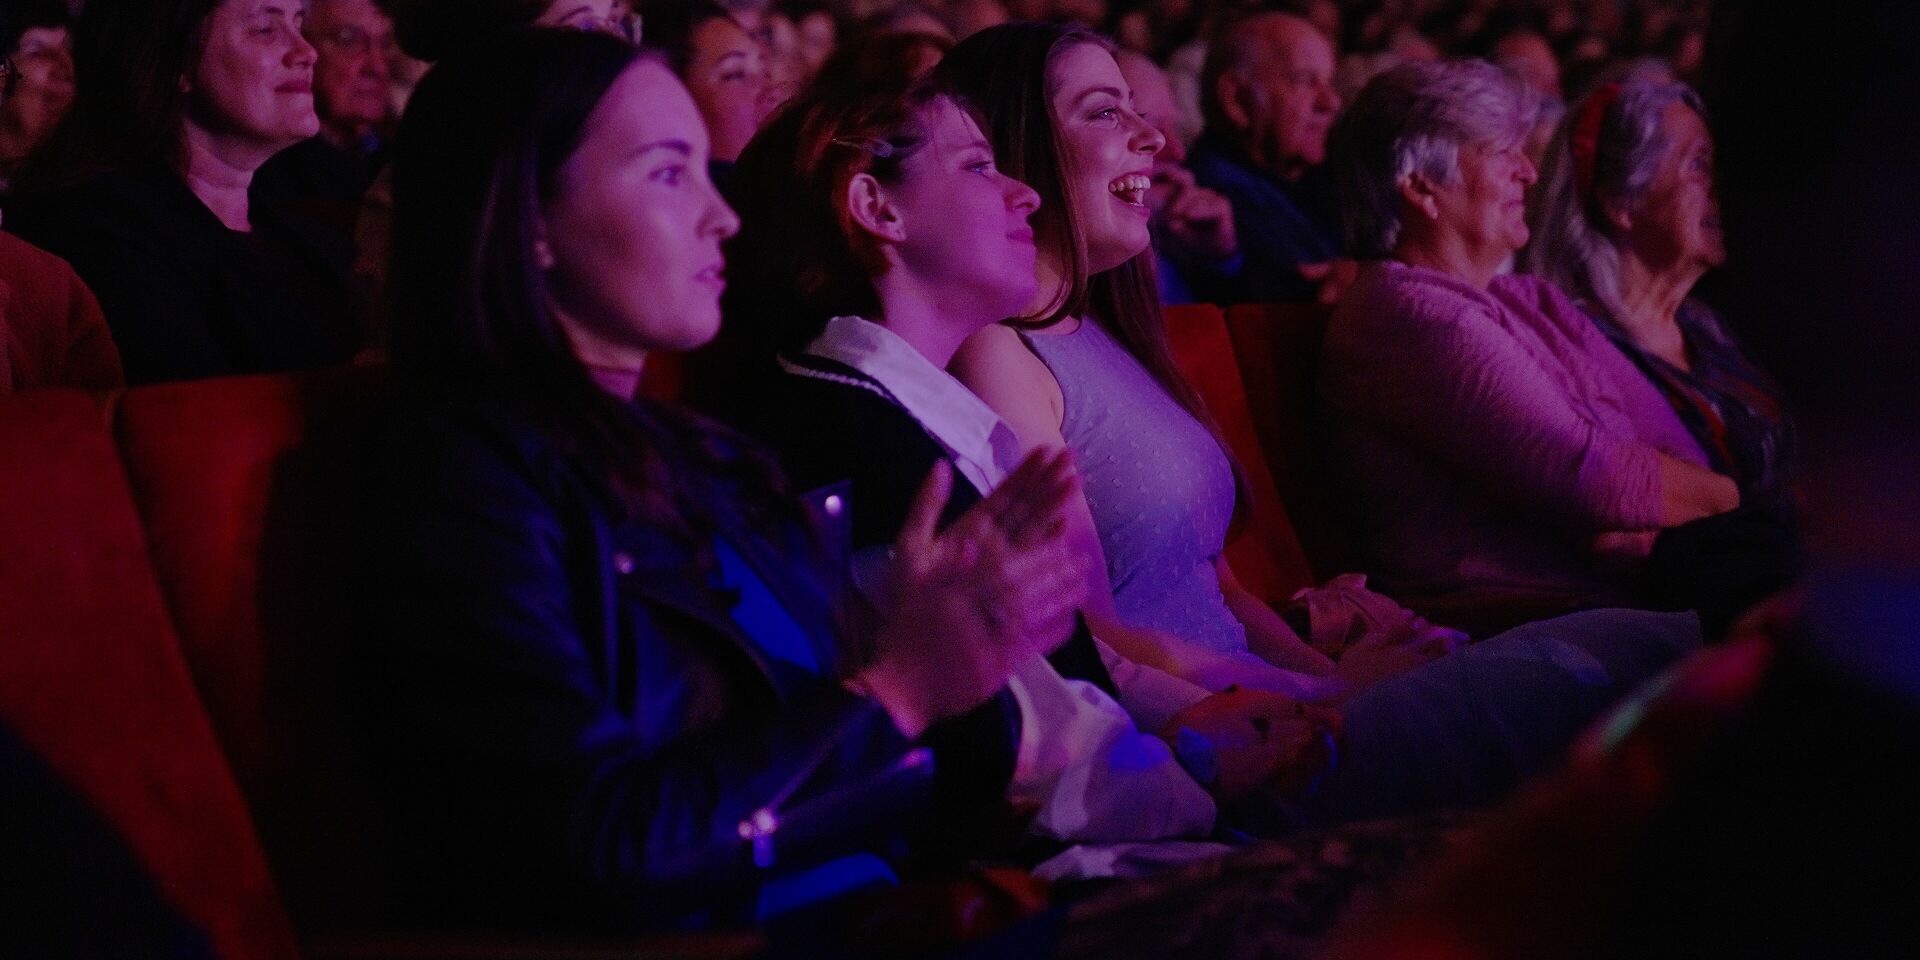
column 513, row 665
column 141, row 265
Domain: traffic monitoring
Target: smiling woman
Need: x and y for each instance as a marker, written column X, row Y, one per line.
column 145, row 189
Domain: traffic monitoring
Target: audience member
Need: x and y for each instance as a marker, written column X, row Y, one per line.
column 1268, row 96
column 52, row 333
column 145, row 190
column 968, row 17
column 724, row 68
column 1087, row 368
column 1527, row 56
column 623, row 700
column 426, row 31
column 885, row 58
column 1493, row 438
column 1627, row 226
column 1196, row 252
column 36, row 35
column 816, row 33
column 325, row 176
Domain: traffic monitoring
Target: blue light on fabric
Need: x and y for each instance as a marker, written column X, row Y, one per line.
column 760, row 615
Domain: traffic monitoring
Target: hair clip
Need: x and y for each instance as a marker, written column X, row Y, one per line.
column 869, row 145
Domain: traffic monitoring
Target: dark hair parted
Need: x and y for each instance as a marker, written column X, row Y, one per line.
column 1006, row 70
column 477, row 160
column 129, row 111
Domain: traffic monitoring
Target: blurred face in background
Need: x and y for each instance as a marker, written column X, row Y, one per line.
column 1529, row 57
column 609, row 16
column 353, row 78
column 1285, row 103
column 728, row 77
column 253, row 86
column 815, row 35
column 42, row 88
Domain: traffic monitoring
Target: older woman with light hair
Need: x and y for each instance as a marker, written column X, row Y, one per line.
column 1627, row 223
column 1494, row 441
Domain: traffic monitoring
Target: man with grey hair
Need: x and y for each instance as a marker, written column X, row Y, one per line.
column 1267, row 94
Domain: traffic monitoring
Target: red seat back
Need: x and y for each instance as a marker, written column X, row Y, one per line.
column 1278, row 349
column 1266, row 557
column 91, row 677
column 247, row 488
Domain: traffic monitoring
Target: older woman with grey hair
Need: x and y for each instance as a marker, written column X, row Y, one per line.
column 1627, row 224
column 1494, row 442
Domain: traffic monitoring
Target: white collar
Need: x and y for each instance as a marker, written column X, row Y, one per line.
column 983, row 447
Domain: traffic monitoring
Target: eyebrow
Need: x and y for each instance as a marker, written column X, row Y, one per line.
column 678, row 146
column 1113, row 92
column 576, row 11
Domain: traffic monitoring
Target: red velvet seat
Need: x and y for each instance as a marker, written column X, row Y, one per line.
column 246, row 489
column 92, row 680
column 1278, row 349
column 1266, row 557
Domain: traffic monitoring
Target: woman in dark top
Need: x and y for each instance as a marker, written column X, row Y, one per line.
column 624, row 698
column 144, row 189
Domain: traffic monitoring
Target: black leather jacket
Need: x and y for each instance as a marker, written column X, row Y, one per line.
column 584, row 724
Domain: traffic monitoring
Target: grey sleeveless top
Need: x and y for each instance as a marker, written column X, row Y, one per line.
column 1160, row 488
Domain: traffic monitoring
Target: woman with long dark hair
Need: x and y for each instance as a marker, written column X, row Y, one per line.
column 144, row 189
column 1060, row 114
column 626, row 692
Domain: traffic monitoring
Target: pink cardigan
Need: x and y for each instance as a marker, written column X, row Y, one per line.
column 1488, row 435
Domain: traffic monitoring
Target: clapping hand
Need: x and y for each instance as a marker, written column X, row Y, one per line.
column 969, row 602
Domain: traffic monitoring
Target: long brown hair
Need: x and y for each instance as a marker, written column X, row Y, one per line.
column 1005, row 71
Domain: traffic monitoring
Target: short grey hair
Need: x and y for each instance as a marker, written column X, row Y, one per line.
column 1415, row 118
column 1573, row 243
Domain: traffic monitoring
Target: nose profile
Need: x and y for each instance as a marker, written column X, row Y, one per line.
column 302, row 54
column 722, row 222
column 1023, row 199
column 1146, row 137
